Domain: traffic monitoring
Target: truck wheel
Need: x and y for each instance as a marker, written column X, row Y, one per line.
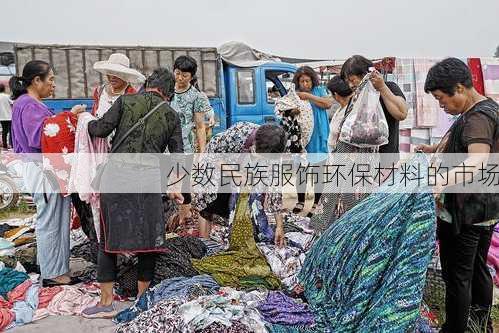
column 9, row 195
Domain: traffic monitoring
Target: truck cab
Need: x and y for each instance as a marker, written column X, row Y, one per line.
column 251, row 92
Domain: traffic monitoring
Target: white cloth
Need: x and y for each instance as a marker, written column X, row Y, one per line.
column 105, row 103
column 89, row 154
column 5, row 107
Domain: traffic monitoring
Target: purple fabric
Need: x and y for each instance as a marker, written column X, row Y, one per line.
column 281, row 309
column 28, row 116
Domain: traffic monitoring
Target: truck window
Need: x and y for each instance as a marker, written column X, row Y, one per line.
column 273, row 93
column 246, row 86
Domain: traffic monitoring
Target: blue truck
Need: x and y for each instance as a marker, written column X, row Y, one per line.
column 236, row 93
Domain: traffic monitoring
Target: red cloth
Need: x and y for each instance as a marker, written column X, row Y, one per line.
column 98, row 91
column 45, row 295
column 19, row 292
column 475, row 66
column 5, row 304
column 58, row 140
column 6, row 318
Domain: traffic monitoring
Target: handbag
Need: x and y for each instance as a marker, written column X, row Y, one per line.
column 100, row 169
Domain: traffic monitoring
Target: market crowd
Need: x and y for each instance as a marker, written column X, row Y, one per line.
column 352, row 262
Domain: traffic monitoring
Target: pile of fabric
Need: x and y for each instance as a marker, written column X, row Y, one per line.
column 22, row 300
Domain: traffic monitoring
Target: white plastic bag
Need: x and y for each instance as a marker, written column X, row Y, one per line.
column 365, row 125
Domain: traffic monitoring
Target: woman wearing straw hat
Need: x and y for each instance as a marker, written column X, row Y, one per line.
column 120, row 78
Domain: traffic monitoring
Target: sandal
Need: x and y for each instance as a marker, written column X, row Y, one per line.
column 298, row 207
column 312, row 211
column 99, row 311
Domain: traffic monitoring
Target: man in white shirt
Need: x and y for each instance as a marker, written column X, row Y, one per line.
column 5, row 115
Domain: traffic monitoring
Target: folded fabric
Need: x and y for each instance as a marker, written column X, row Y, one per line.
column 181, row 289
column 163, row 317
column 71, row 301
column 281, row 309
column 19, row 292
column 285, row 262
column 9, row 279
column 242, row 264
column 46, row 295
column 6, row 318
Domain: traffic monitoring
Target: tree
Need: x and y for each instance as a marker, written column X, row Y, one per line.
column 497, row 53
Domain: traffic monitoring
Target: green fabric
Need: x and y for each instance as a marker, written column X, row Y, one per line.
column 242, row 265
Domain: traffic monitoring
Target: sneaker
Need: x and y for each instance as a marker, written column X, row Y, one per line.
column 99, row 311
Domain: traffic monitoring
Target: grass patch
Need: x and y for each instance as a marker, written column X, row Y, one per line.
column 22, row 210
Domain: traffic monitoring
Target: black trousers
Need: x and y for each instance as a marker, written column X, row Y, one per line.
column 467, row 279
column 107, row 268
column 6, row 131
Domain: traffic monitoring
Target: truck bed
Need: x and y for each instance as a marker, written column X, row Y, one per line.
column 76, row 79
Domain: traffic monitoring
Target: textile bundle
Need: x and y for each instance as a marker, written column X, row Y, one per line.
column 367, row 271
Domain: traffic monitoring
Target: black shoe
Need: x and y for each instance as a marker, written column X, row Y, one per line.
column 298, row 207
column 53, row 283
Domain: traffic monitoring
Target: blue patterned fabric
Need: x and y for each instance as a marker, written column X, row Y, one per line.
column 367, row 271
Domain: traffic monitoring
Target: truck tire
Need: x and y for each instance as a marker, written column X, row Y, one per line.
column 9, row 195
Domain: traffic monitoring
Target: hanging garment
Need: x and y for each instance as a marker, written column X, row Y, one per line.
column 57, row 141
column 298, row 126
column 475, row 66
column 242, row 263
column 490, row 70
column 427, row 107
column 385, row 244
column 90, row 153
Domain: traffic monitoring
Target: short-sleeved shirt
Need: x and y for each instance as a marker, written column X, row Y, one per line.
column 393, row 124
column 320, row 133
column 187, row 104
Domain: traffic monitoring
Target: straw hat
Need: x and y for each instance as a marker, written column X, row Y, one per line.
column 118, row 65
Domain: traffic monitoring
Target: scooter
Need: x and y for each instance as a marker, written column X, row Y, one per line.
column 9, row 192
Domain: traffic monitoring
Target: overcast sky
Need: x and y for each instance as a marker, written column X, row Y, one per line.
column 325, row 29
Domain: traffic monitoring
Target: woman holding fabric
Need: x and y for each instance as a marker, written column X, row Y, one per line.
column 308, row 89
column 341, row 94
column 53, row 210
column 394, row 108
column 134, row 222
column 120, row 78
